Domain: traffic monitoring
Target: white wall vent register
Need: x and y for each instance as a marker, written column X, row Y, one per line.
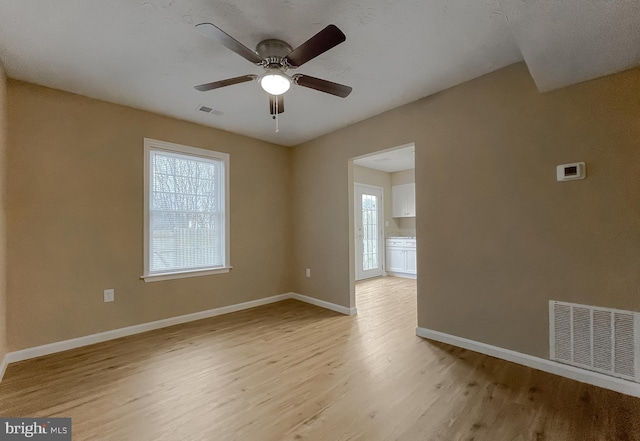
column 599, row 339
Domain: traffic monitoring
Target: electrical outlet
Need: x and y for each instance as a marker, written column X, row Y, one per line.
column 109, row 295
column 308, row 272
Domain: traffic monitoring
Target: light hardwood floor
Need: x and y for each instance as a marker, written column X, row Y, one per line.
column 292, row 371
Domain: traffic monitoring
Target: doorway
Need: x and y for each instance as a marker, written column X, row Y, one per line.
column 369, row 231
column 389, row 170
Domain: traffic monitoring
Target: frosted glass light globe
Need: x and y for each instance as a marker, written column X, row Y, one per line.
column 275, row 83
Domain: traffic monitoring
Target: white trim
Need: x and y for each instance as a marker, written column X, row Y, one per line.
column 182, row 275
column 65, row 345
column 636, row 317
column 3, row 365
column 582, row 375
column 157, row 145
column 52, row 348
column 323, row 304
column 552, row 331
column 390, row 149
column 374, row 187
column 405, row 275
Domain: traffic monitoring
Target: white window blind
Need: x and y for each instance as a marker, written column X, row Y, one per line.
column 186, row 225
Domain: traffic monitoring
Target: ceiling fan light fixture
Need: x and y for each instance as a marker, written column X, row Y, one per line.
column 275, row 82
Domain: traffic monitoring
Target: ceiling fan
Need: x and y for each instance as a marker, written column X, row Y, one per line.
column 276, row 57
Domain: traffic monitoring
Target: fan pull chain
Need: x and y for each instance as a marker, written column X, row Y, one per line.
column 277, row 128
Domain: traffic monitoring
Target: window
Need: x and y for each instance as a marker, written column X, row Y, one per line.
column 186, row 225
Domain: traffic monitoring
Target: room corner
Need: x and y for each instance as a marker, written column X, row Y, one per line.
column 3, row 284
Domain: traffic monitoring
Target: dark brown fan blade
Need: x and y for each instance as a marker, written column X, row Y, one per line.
column 223, row 83
column 322, row 85
column 272, row 104
column 213, row 31
column 318, row 44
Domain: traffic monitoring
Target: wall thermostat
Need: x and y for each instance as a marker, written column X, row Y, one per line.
column 570, row 172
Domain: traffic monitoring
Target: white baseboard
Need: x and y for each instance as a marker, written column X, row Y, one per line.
column 86, row 340
column 326, row 305
column 575, row 373
column 403, row 275
column 3, row 366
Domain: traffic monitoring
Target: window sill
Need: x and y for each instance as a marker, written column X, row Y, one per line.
column 184, row 274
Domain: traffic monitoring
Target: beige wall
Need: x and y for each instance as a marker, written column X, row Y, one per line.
column 3, row 233
column 74, row 217
column 498, row 237
column 406, row 226
column 403, row 177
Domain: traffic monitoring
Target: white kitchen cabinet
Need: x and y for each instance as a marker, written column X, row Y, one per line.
column 403, row 198
column 401, row 257
column 412, row 267
column 396, row 260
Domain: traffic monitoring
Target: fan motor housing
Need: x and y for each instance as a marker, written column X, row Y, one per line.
column 273, row 51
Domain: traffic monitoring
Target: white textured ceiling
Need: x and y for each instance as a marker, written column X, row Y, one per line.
column 394, row 160
column 148, row 54
column 568, row 41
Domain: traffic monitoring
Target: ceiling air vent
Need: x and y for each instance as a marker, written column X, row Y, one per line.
column 599, row 339
column 207, row 109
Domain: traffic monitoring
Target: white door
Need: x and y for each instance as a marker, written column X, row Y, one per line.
column 369, row 216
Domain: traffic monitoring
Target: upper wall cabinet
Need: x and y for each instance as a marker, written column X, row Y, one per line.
column 403, row 198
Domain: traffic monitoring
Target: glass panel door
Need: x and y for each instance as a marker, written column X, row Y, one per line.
column 370, row 258
column 369, row 231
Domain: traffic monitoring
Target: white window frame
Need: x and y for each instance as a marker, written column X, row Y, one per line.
column 156, row 145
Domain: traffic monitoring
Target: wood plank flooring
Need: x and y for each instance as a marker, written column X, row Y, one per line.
column 292, row 371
